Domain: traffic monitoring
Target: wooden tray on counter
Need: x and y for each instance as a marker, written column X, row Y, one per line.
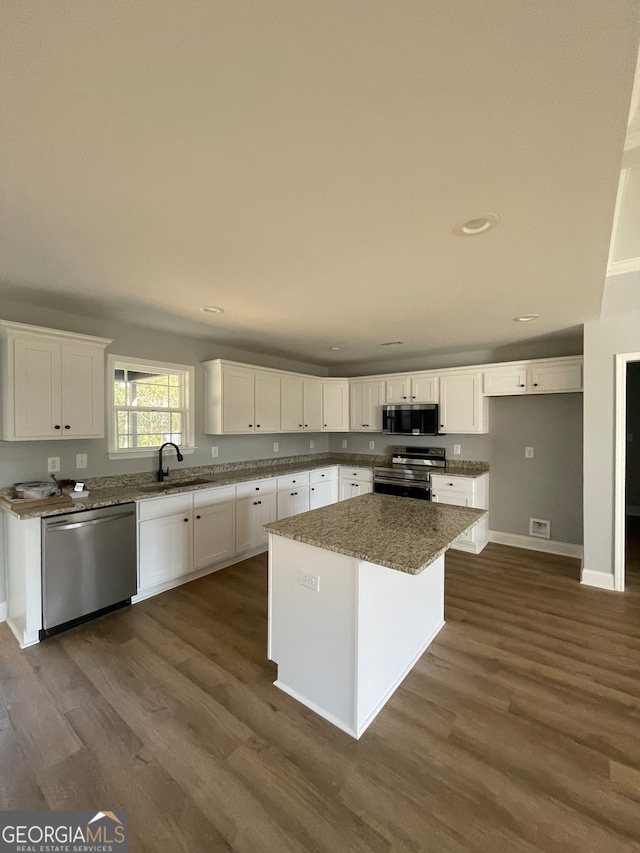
column 21, row 506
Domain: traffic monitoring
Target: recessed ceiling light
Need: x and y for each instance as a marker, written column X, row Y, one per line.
column 525, row 318
column 335, row 348
column 478, row 225
column 392, row 344
column 212, row 309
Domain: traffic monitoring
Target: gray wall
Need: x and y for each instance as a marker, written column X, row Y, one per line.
column 549, row 486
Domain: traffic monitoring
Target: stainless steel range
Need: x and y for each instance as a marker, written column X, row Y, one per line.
column 410, row 473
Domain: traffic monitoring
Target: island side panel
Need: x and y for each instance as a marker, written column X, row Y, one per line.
column 312, row 634
column 24, row 578
column 398, row 617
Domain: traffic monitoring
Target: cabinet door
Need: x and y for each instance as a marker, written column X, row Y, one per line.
column 357, row 392
column 424, row 389
column 237, row 399
column 399, row 389
column 267, row 402
column 291, row 408
column 244, row 524
column 312, row 405
column 165, row 548
column 502, row 381
column 323, row 494
column 292, row 501
column 363, row 488
column 335, row 406
column 462, row 407
column 546, row 378
column 452, row 498
column 214, row 536
column 37, row 384
column 264, row 512
column 375, row 398
column 82, row 391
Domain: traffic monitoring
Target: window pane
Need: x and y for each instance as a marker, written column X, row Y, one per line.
column 150, row 394
column 174, row 398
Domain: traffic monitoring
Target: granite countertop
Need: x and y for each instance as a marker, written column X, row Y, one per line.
column 111, row 491
column 396, row 532
column 463, row 469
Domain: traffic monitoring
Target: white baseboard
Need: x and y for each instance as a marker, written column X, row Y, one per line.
column 532, row 543
column 3, row 611
column 633, row 510
column 601, row 580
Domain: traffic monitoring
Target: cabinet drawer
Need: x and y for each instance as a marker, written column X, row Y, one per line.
column 207, row 497
column 161, row 507
column 291, row 480
column 256, row 487
column 323, row 474
column 451, row 484
column 365, row 474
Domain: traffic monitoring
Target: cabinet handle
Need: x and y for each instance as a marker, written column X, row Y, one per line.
column 299, row 425
column 186, row 519
column 535, row 384
column 522, row 386
column 325, row 426
column 66, row 426
column 257, row 426
column 306, row 425
column 257, row 488
column 57, row 426
column 293, row 481
column 251, row 425
column 312, row 489
column 414, row 397
column 322, row 475
column 259, row 502
column 197, row 516
column 404, row 398
column 450, row 484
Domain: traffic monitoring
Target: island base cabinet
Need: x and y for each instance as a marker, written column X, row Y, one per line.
column 343, row 647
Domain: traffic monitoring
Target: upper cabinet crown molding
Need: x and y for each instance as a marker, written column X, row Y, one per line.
column 52, row 383
column 10, row 328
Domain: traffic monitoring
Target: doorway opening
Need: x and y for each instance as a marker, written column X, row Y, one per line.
column 632, row 477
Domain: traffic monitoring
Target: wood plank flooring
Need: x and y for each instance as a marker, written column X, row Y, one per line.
column 518, row 730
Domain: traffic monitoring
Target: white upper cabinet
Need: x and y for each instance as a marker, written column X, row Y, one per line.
column 412, row 388
column 267, row 401
column 463, row 409
column 291, row 404
column 546, row 376
column 554, row 377
column 312, row 405
column 53, row 384
column 241, row 399
column 335, row 405
column 365, row 405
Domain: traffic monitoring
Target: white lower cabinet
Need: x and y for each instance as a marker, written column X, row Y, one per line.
column 464, row 491
column 354, row 482
column 179, row 534
column 165, row 539
column 214, row 533
column 323, row 494
column 251, row 514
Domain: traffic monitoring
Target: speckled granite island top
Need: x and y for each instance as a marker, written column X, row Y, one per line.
column 399, row 533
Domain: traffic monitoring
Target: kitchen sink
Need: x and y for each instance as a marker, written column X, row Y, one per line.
column 174, row 484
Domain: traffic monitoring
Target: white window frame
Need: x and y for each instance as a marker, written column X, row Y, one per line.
column 187, row 373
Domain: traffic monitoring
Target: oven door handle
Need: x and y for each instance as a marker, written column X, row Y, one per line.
column 408, row 484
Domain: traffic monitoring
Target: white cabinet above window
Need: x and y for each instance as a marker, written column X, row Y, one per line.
column 52, row 383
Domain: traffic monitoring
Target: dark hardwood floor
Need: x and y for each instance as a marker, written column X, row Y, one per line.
column 518, row 730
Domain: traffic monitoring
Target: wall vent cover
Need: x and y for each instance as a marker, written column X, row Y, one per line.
column 540, row 528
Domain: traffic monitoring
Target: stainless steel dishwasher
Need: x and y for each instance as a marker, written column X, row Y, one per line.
column 88, row 565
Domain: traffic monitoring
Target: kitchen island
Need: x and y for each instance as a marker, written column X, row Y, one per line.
column 356, row 595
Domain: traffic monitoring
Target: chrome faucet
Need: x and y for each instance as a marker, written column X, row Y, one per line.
column 161, row 472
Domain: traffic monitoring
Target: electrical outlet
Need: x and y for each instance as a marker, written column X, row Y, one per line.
column 372, row 445
column 310, row 581
column 312, row 443
column 214, row 451
column 528, row 453
column 81, row 460
column 276, row 447
column 456, row 449
column 53, row 464
column 344, row 443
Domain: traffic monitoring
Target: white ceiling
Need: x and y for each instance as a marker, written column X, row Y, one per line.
column 303, row 165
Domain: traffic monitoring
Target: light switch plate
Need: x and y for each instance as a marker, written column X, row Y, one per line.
column 276, row 446
column 372, row 445
column 81, row 460
column 456, row 449
column 214, row 451
column 528, row 452
column 344, row 443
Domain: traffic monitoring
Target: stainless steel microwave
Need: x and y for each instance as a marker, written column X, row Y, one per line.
column 417, row 419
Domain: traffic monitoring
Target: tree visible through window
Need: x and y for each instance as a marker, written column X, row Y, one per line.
column 150, row 405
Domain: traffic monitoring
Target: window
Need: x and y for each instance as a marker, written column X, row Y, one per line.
column 151, row 402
